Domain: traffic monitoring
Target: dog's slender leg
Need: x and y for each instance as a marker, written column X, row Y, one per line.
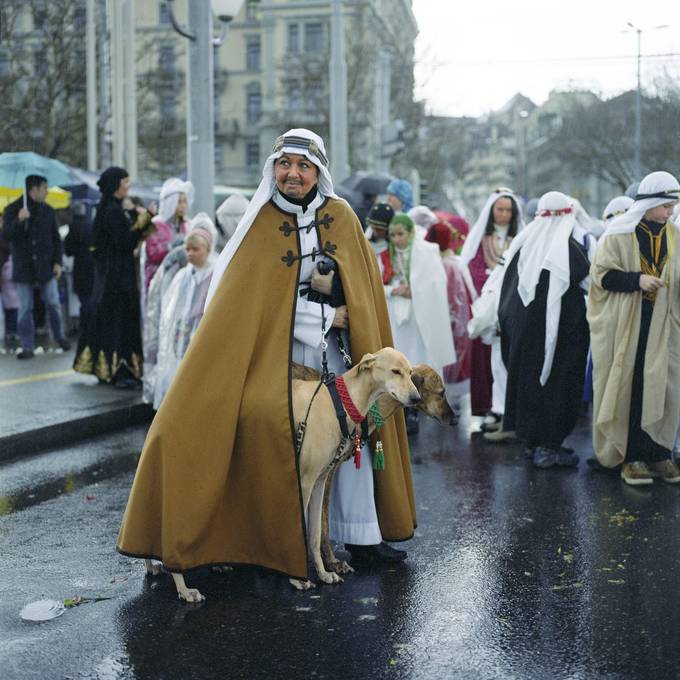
column 152, row 569
column 331, row 562
column 184, row 593
column 314, row 514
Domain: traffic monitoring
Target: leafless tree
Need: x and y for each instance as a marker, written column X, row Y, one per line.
column 42, row 78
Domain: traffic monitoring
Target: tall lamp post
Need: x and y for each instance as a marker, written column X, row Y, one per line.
column 200, row 89
column 637, row 169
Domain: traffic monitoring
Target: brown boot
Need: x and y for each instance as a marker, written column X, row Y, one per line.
column 667, row 470
column 636, row 473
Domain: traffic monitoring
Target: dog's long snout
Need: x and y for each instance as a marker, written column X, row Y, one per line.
column 414, row 397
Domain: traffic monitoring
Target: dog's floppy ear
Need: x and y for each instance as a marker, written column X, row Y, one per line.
column 366, row 362
column 417, row 380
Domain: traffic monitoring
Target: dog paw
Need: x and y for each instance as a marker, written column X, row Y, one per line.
column 153, row 568
column 301, row 585
column 191, row 595
column 329, row 577
column 340, row 567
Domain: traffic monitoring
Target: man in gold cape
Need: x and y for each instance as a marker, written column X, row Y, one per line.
column 218, row 480
column 634, row 316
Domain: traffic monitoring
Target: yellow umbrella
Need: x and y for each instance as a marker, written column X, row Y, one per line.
column 56, row 197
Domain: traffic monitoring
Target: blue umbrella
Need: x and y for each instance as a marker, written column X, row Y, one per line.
column 15, row 167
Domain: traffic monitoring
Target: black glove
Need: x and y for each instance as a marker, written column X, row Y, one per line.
column 337, row 296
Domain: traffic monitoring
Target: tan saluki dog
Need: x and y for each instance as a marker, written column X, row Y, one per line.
column 432, row 403
column 387, row 371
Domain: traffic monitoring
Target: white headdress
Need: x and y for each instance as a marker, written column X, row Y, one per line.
column 471, row 245
column 296, row 141
column 204, row 227
column 657, row 188
column 169, row 198
column 544, row 244
column 231, row 211
column 423, row 216
column 617, row 206
column 584, row 220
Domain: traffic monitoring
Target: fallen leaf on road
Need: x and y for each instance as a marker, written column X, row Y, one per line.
column 565, row 586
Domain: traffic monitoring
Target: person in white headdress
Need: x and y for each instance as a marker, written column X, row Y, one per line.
column 415, row 286
column 171, row 225
column 491, row 235
column 617, row 206
column 229, row 214
column 226, row 488
column 183, row 302
column 634, row 315
column 544, row 332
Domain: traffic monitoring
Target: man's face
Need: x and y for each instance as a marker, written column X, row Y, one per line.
column 662, row 213
column 39, row 193
column 295, row 175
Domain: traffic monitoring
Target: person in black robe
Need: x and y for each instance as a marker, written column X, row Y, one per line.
column 110, row 343
column 544, row 412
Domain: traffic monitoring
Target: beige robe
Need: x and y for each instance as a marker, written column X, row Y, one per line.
column 614, row 330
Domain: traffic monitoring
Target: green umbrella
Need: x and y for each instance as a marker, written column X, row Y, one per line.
column 15, row 167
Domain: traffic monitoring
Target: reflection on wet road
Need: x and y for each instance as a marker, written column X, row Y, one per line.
column 513, row 573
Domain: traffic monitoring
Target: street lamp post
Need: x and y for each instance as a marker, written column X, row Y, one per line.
column 637, row 167
column 200, row 91
column 91, row 84
column 338, row 95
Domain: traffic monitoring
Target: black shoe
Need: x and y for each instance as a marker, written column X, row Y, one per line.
column 64, row 344
column 412, row 425
column 126, row 383
column 382, row 552
column 25, row 354
column 492, row 422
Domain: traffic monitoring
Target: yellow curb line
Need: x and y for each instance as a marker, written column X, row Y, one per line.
column 36, row 378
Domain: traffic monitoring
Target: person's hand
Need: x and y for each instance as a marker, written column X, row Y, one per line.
column 57, row 270
column 24, row 214
column 402, row 290
column 649, row 283
column 322, row 283
column 341, row 319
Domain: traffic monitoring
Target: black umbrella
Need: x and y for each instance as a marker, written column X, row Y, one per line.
column 367, row 183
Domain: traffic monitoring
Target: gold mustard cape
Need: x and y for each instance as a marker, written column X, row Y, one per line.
column 614, row 332
column 218, row 480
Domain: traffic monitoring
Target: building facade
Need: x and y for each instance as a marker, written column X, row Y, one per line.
column 272, row 73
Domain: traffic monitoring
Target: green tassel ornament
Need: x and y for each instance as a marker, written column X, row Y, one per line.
column 379, row 453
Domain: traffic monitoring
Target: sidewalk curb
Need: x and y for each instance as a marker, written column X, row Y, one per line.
column 28, row 443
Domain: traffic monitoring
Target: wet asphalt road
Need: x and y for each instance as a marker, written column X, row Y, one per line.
column 513, row 573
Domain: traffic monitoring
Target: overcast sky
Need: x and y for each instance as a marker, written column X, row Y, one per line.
column 472, row 56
